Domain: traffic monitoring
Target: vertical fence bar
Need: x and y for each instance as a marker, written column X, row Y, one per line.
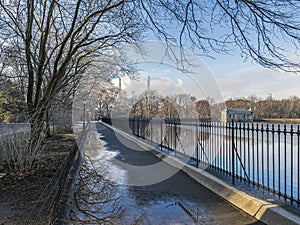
column 161, row 136
column 221, row 156
column 175, row 138
column 168, row 135
column 298, row 167
column 213, row 145
column 218, row 137
column 151, row 132
column 171, row 140
column 253, row 155
column 227, row 148
column 216, row 141
column 244, row 150
column 268, row 159
column 240, row 150
column 140, row 128
column 273, row 158
column 197, row 146
column 201, row 141
column 144, row 129
column 262, row 158
column 279, row 169
column 232, row 152
column 224, row 143
column 136, row 127
column 175, row 135
column 292, row 166
column 285, row 158
column 208, row 141
column 133, row 121
column 257, row 155
column 218, row 153
column 210, row 144
column 248, row 148
column 224, row 138
column 204, row 139
column 235, row 148
column 213, row 142
column 175, row 152
column 132, row 124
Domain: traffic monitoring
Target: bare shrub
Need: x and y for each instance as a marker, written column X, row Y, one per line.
column 18, row 152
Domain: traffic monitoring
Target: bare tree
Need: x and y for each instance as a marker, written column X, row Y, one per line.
column 57, row 40
column 203, row 109
column 266, row 31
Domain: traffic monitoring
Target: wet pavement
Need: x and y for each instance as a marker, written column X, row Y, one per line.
column 115, row 173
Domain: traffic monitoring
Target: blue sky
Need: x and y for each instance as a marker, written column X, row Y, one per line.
column 225, row 77
column 237, row 78
column 197, row 80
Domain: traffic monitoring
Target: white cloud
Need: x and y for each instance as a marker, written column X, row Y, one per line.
column 167, row 80
column 259, row 81
column 164, row 86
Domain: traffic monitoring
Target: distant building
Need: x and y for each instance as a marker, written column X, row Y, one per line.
column 270, row 97
column 236, row 114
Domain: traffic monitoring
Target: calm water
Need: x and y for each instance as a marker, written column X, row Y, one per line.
column 267, row 158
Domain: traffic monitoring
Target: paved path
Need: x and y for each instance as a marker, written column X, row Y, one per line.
column 176, row 200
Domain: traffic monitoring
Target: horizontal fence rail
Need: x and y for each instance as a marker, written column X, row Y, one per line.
column 13, row 128
column 263, row 155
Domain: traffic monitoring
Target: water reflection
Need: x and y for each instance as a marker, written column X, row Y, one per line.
column 96, row 200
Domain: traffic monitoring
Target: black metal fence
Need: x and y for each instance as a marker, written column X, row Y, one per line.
column 50, row 205
column 263, row 155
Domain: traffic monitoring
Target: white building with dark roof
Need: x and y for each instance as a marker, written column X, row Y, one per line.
column 237, row 115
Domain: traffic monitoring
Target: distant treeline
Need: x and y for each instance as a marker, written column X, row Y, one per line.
column 269, row 108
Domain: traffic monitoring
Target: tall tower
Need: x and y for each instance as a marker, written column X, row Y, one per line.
column 148, row 88
column 270, row 97
column 120, row 84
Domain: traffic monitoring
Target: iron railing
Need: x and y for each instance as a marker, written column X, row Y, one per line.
column 50, row 205
column 263, row 155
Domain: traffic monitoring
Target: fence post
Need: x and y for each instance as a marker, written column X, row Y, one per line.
column 161, row 137
column 151, row 130
column 197, row 146
column 175, row 144
column 232, row 152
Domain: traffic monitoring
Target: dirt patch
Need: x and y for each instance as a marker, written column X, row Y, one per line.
column 19, row 194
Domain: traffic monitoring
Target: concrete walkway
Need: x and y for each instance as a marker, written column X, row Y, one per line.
column 148, row 190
